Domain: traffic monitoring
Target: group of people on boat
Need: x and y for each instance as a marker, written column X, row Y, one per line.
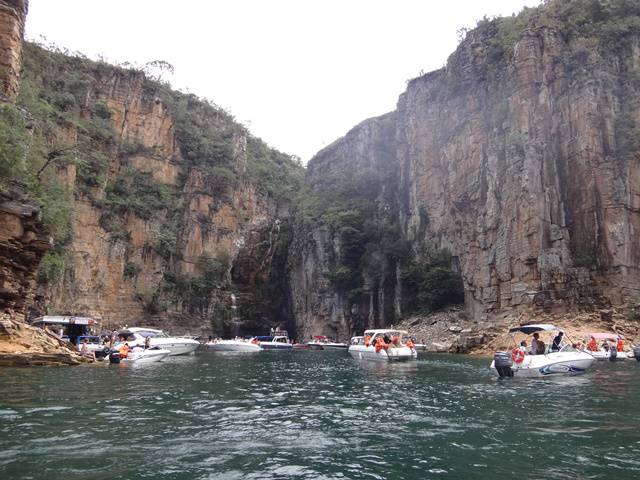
column 384, row 342
column 538, row 347
column 592, row 346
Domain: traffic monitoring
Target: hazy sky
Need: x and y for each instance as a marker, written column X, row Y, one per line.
column 298, row 73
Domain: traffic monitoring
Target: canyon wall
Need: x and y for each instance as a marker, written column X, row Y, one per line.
column 176, row 213
column 366, row 157
column 13, row 14
column 520, row 158
column 23, row 242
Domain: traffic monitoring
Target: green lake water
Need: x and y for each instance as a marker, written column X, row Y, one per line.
column 279, row 415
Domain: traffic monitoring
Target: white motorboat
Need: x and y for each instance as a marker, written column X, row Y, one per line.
column 519, row 363
column 383, row 345
column 235, row 345
column 140, row 355
column 321, row 342
column 157, row 338
column 612, row 352
column 279, row 340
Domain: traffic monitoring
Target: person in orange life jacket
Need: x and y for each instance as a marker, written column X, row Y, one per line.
column 592, row 345
column 620, row 345
column 124, row 350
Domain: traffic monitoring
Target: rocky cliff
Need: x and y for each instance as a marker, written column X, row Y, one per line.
column 520, row 158
column 23, row 242
column 12, row 17
column 164, row 210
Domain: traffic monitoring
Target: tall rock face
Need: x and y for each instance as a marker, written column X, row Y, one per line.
column 520, row 158
column 352, row 203
column 23, row 242
column 23, row 237
column 176, row 215
column 13, row 14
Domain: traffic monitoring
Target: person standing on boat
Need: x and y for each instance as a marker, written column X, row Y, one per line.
column 534, row 343
column 557, row 342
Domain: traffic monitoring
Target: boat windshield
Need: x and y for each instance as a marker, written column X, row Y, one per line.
column 152, row 334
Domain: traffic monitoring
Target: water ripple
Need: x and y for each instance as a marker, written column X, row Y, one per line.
column 313, row 415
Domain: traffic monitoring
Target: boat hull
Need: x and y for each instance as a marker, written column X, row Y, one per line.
column 139, row 356
column 233, row 347
column 556, row 363
column 176, row 346
column 276, row 346
column 341, row 347
column 602, row 355
column 401, row 354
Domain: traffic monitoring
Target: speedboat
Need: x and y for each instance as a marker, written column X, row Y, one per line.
column 140, row 355
column 321, row 342
column 235, row 345
column 611, row 353
column 518, row 363
column 383, row 345
column 157, row 338
column 278, row 341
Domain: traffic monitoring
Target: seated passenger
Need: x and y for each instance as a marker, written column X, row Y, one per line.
column 620, row 345
column 592, row 345
column 541, row 347
column 534, row 343
column 84, row 350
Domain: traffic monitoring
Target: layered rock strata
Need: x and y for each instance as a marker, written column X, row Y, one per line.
column 13, row 14
column 23, row 242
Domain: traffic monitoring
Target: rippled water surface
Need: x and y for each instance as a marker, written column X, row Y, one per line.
column 316, row 415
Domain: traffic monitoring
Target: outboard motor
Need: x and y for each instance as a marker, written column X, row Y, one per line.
column 114, row 357
column 613, row 354
column 636, row 353
column 503, row 363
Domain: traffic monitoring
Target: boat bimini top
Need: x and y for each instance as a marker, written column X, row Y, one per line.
column 533, row 328
column 387, row 331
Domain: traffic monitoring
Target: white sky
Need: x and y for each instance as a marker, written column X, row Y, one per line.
column 298, row 73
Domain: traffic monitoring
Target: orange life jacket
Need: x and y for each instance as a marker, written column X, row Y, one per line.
column 124, row 351
column 410, row 343
column 593, row 346
column 620, row 345
column 380, row 344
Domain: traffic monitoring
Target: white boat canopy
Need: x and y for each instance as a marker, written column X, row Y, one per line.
column 65, row 320
column 537, row 327
column 385, row 330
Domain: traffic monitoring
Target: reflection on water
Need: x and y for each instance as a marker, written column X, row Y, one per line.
column 316, row 415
